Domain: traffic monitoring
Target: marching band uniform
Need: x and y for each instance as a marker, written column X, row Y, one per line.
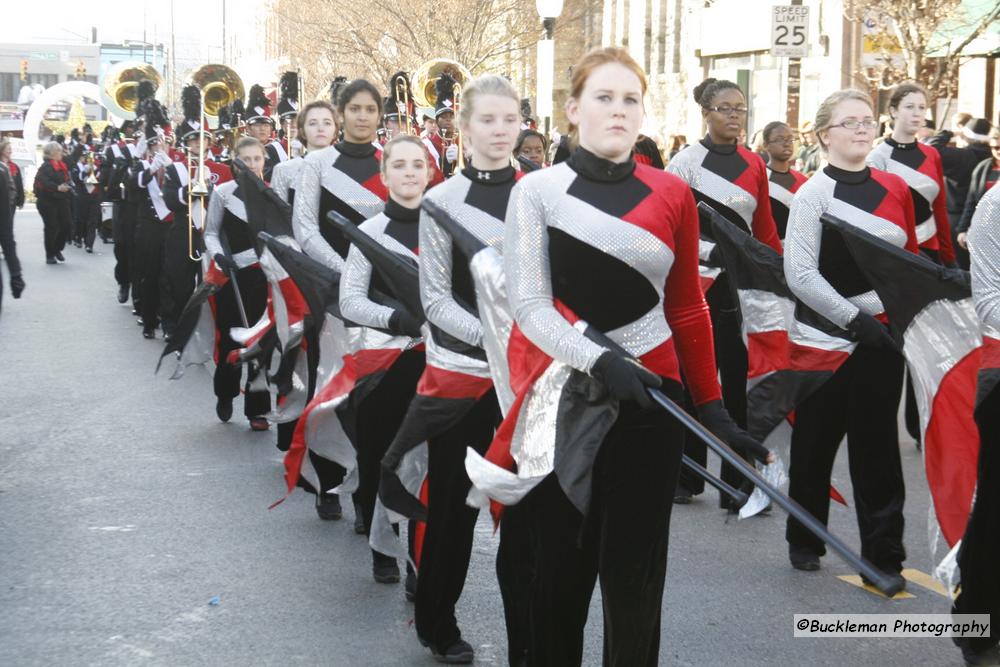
column 455, row 361
column 259, row 111
column 381, row 411
column 227, row 234
column 732, row 180
column 88, row 208
column 920, row 166
column 155, row 219
column 435, row 143
column 278, row 149
column 781, row 188
column 114, row 180
column 617, row 246
column 980, row 550
column 867, row 385
column 343, row 177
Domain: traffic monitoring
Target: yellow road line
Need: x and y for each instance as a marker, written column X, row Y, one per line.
column 855, row 580
column 926, row 581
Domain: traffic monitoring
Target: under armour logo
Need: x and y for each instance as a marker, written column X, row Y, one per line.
column 483, row 175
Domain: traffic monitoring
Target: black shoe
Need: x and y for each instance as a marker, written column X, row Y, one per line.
column 459, row 653
column 50, row 260
column 411, row 586
column 149, row 333
column 259, row 424
column 167, row 336
column 17, row 286
column 682, row 496
column 224, row 409
column 122, row 293
column 90, row 249
column 140, row 322
column 328, row 507
column 386, row 574
column 78, row 243
column 803, row 559
column 60, row 257
column 897, row 582
column 135, row 311
column 986, row 658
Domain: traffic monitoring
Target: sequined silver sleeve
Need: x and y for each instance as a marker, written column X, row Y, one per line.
column 984, row 256
column 529, row 281
column 681, row 167
column 305, row 214
column 435, row 285
column 280, row 180
column 355, row 282
column 213, row 222
column 802, row 246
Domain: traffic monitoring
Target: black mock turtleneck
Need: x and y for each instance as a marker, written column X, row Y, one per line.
column 595, row 168
column 355, row 150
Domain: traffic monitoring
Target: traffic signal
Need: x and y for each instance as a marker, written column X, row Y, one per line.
column 24, row 69
column 81, row 70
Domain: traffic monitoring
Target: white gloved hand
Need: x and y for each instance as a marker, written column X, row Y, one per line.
column 161, row 161
column 141, row 146
column 451, row 153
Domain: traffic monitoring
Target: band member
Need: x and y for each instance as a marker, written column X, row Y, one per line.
column 920, row 166
column 317, row 127
column 53, row 189
column 404, row 172
column 260, row 125
column 155, row 219
column 862, row 397
column 614, row 244
column 399, row 110
column 443, row 144
column 88, row 200
column 782, row 181
column 980, row 550
column 733, row 180
column 478, row 195
column 530, row 150
column 279, row 148
column 114, row 180
column 228, row 242
column 344, row 177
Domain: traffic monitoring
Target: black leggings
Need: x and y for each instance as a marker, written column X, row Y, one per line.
column 378, row 418
column 447, row 545
column 253, row 289
column 979, row 555
column 623, row 541
column 859, row 401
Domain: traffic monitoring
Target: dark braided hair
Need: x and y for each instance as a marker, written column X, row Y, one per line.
column 706, row 91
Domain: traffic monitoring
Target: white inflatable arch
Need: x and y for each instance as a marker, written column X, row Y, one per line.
column 60, row 91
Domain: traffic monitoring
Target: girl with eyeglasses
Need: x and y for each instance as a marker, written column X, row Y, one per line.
column 782, row 181
column 920, row 166
column 733, row 180
column 861, row 398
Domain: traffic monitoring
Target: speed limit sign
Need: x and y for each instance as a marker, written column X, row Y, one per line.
column 790, row 31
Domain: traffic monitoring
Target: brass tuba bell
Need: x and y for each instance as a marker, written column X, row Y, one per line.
column 428, row 73
column 119, row 90
column 219, row 85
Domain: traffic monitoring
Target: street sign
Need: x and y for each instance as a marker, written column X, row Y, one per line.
column 790, row 31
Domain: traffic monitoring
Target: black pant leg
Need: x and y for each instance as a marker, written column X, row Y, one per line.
column 151, row 257
column 638, row 467
column 820, row 425
column 873, row 448
column 8, row 245
column 65, row 216
column 731, row 357
column 378, row 418
column 979, row 554
column 124, row 233
column 47, row 210
column 447, row 545
column 515, row 570
column 92, row 219
column 226, row 380
column 564, row 576
column 253, row 289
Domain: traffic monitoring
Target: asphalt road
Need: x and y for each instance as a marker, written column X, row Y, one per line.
column 126, row 507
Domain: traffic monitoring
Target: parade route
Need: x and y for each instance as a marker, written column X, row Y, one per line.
column 135, row 530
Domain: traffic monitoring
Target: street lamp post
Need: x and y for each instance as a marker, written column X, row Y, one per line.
column 549, row 11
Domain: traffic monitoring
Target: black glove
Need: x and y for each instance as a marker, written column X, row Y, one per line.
column 716, row 419
column 16, row 286
column 401, row 322
column 625, row 379
column 225, row 262
column 866, row 329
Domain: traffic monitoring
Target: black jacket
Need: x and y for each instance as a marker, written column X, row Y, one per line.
column 977, row 188
column 48, row 180
column 958, row 164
